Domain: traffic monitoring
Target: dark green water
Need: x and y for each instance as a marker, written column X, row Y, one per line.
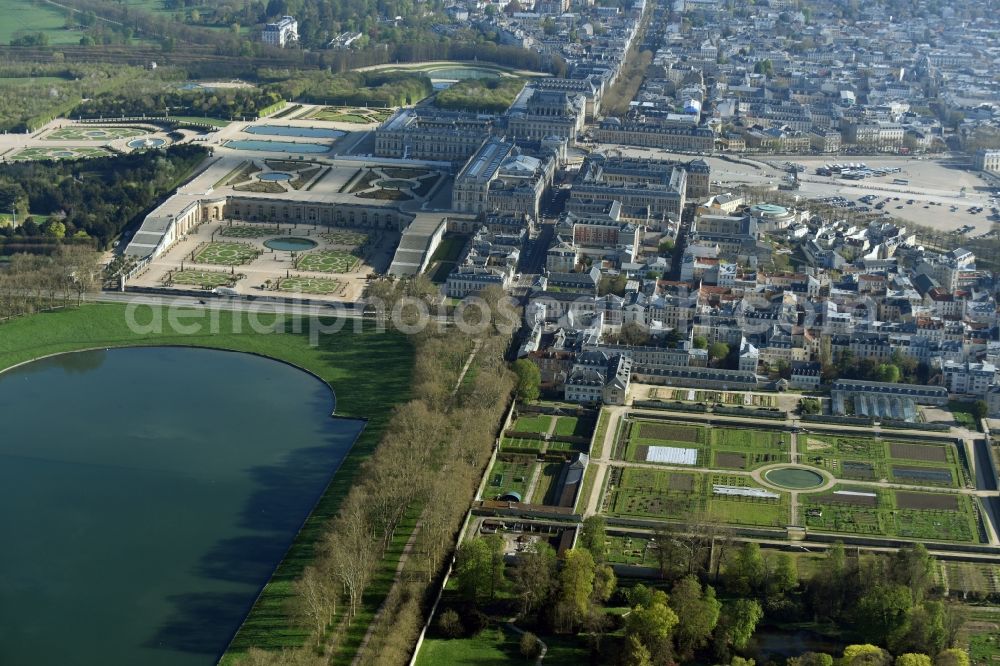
column 146, row 495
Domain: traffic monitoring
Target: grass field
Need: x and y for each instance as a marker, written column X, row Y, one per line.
column 88, row 133
column 75, row 153
column 540, row 423
column 369, row 371
column 22, row 16
column 224, row 254
column 327, row 261
column 481, row 650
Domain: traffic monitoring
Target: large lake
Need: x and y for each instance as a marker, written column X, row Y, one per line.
column 147, row 494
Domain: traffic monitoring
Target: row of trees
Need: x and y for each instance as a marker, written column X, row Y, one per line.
column 900, row 368
column 218, row 103
column 32, row 283
column 97, row 197
column 427, row 465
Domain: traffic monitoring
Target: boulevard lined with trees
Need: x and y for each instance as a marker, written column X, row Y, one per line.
column 421, row 478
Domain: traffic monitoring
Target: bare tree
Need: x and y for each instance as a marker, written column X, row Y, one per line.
column 317, row 598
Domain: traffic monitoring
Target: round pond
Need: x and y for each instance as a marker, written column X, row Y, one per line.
column 795, row 478
column 157, row 504
column 274, row 176
column 290, row 244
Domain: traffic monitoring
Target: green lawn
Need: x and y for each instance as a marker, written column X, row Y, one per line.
column 23, row 16
column 539, row 424
column 369, row 371
column 567, row 426
column 962, row 411
column 547, row 482
column 480, row 650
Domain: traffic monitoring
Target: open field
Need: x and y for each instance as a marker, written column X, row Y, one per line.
column 26, row 17
column 483, row 649
column 370, row 372
column 539, row 423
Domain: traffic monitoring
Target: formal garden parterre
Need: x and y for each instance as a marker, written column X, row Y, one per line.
column 897, row 486
column 58, row 153
column 225, row 253
column 90, row 133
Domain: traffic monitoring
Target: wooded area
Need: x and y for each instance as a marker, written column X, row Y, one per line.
column 95, row 198
column 350, row 88
column 490, row 95
column 32, row 283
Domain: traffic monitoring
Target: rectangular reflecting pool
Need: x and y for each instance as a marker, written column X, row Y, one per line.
column 287, row 130
column 277, row 146
column 147, row 495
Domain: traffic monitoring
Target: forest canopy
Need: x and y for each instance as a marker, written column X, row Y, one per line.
column 98, row 197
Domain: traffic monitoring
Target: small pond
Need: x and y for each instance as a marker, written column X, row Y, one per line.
column 794, row 478
column 274, row 176
column 290, row 244
column 146, row 143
